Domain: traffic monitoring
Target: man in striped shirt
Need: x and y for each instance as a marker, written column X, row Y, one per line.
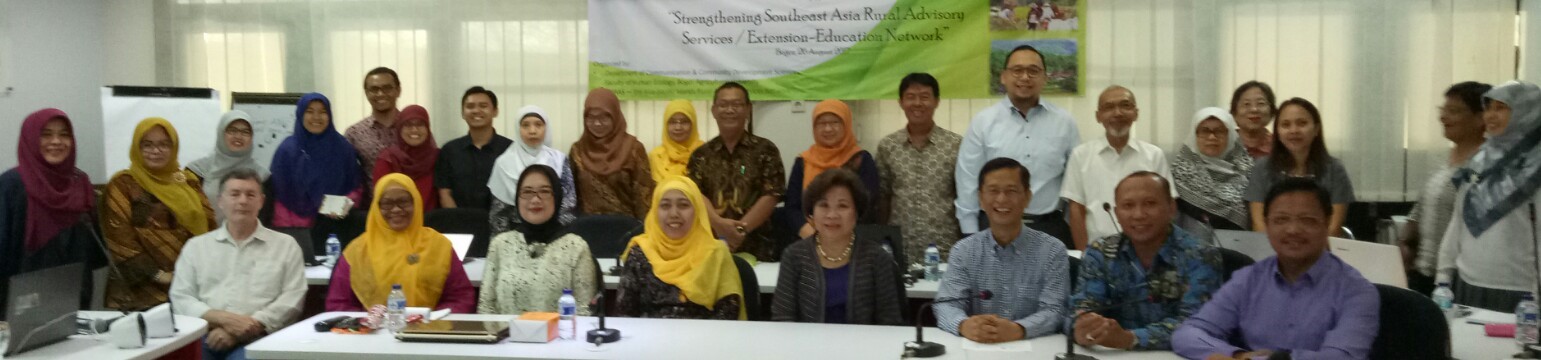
column 1027, row 271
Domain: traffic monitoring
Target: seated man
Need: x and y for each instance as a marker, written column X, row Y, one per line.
column 1152, row 260
column 1304, row 301
column 1026, row 270
column 245, row 279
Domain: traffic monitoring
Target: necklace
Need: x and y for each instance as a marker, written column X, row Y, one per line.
column 819, row 243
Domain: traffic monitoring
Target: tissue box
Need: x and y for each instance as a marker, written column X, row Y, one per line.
column 533, row 327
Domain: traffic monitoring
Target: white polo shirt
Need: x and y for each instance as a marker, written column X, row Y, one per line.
column 1094, row 171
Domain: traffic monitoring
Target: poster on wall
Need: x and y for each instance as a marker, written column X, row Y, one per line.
column 272, row 120
column 848, row 49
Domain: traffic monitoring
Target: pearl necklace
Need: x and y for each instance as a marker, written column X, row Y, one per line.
column 819, row 243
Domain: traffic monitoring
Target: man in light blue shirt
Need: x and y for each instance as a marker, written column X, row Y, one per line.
column 1026, row 271
column 1021, row 127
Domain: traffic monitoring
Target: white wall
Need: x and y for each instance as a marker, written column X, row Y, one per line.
column 61, row 53
column 1530, row 41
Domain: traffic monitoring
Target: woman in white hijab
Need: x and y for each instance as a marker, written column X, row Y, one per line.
column 231, row 152
column 1210, row 172
column 533, row 147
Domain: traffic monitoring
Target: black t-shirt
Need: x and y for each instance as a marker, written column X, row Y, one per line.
column 465, row 169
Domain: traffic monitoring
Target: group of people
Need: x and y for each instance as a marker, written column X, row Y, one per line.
column 1002, row 202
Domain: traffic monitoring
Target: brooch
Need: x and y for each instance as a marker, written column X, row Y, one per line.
column 412, row 259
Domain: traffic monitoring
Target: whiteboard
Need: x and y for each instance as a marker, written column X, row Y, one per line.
column 272, row 121
column 194, row 118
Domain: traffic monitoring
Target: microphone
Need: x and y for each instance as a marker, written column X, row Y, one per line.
column 1069, row 353
column 602, row 335
column 920, row 348
column 1108, row 208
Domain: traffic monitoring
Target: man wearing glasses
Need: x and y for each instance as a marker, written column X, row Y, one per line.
column 741, row 174
column 373, row 134
column 1024, row 128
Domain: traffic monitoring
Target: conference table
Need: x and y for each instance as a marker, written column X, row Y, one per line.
column 668, row 339
column 1470, row 342
column 765, row 273
column 189, row 331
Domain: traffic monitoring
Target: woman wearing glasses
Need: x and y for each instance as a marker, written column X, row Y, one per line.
column 528, row 267
column 397, row 250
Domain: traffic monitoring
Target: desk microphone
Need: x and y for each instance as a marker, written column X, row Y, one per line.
column 1069, row 353
column 920, row 348
column 603, row 335
column 1108, row 208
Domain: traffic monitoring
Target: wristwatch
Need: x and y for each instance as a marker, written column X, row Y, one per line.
column 740, row 229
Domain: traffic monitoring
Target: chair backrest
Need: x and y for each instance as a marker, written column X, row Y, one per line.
column 751, row 285
column 607, row 235
column 463, row 221
column 890, row 235
column 1411, row 327
column 1232, row 260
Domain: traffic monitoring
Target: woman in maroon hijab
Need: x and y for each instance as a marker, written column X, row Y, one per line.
column 46, row 205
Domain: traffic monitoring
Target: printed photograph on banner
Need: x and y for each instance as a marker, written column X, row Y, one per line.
column 1033, row 15
column 1059, row 61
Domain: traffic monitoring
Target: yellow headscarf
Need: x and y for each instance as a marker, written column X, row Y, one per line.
column 698, row 264
column 417, row 257
column 671, row 158
column 169, row 183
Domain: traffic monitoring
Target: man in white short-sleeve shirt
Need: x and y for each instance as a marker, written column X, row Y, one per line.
column 1096, row 167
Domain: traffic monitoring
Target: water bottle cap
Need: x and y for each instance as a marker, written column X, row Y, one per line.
column 331, row 235
column 1444, row 284
column 567, row 291
column 395, row 286
column 1528, row 296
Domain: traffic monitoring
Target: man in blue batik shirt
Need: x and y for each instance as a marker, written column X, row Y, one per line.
column 1150, row 259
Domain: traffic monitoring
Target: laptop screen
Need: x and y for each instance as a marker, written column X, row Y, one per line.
column 461, row 243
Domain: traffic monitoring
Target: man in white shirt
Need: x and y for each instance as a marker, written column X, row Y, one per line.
column 246, row 280
column 1027, row 129
column 1097, row 166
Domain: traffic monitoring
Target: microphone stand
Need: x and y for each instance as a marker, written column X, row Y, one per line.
column 1069, row 353
column 603, row 335
column 920, row 348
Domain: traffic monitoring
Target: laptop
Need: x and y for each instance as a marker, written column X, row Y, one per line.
column 1250, row 243
column 461, row 243
column 1378, row 263
column 456, row 331
column 307, row 248
column 35, row 319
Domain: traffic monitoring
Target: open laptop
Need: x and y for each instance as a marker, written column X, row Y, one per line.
column 1378, row 263
column 461, row 243
column 1252, row 244
column 35, row 317
column 307, row 247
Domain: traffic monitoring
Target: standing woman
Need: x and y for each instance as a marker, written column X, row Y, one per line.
column 613, row 174
column 1461, row 118
column 1252, row 105
column 46, row 204
column 232, row 152
column 834, row 147
column 414, row 154
column 396, row 249
column 533, row 148
column 1302, row 153
column 680, row 139
column 528, row 268
column 676, row 269
column 837, row 276
column 151, row 209
column 1210, row 172
column 314, row 162
column 1489, row 251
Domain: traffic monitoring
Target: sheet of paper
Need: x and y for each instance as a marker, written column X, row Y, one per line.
column 1002, row 351
column 336, row 205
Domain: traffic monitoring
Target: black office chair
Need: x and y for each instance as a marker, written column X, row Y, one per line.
column 751, row 285
column 1411, row 327
column 890, row 235
column 1075, row 272
column 1230, row 261
column 607, row 235
column 463, row 221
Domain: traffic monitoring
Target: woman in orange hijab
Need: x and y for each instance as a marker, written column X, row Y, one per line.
column 834, row 146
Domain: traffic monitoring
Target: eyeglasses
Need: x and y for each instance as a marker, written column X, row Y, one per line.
column 387, row 205
column 544, row 194
column 733, row 105
column 1030, row 72
column 159, row 146
column 379, row 89
column 1211, row 132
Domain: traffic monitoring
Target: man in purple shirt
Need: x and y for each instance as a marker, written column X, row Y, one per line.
column 1304, row 303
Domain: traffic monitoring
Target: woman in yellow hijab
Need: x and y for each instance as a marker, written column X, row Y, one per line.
column 149, row 212
column 676, row 269
column 396, row 249
column 681, row 138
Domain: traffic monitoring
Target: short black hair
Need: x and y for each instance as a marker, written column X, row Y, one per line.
column 1166, row 186
column 1292, row 185
column 1005, row 163
column 1267, row 94
column 1025, row 47
column 479, row 90
column 384, row 70
column 731, row 85
column 1470, row 93
column 240, row 174
column 922, row 79
column 831, row 179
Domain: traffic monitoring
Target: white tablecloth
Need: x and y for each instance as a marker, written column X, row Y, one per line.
column 189, row 331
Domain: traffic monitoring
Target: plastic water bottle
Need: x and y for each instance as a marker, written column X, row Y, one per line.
column 1445, row 299
column 933, row 263
column 333, row 250
column 1526, row 320
column 567, row 324
column 396, row 309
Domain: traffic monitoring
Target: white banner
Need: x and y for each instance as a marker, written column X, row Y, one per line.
column 194, row 118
